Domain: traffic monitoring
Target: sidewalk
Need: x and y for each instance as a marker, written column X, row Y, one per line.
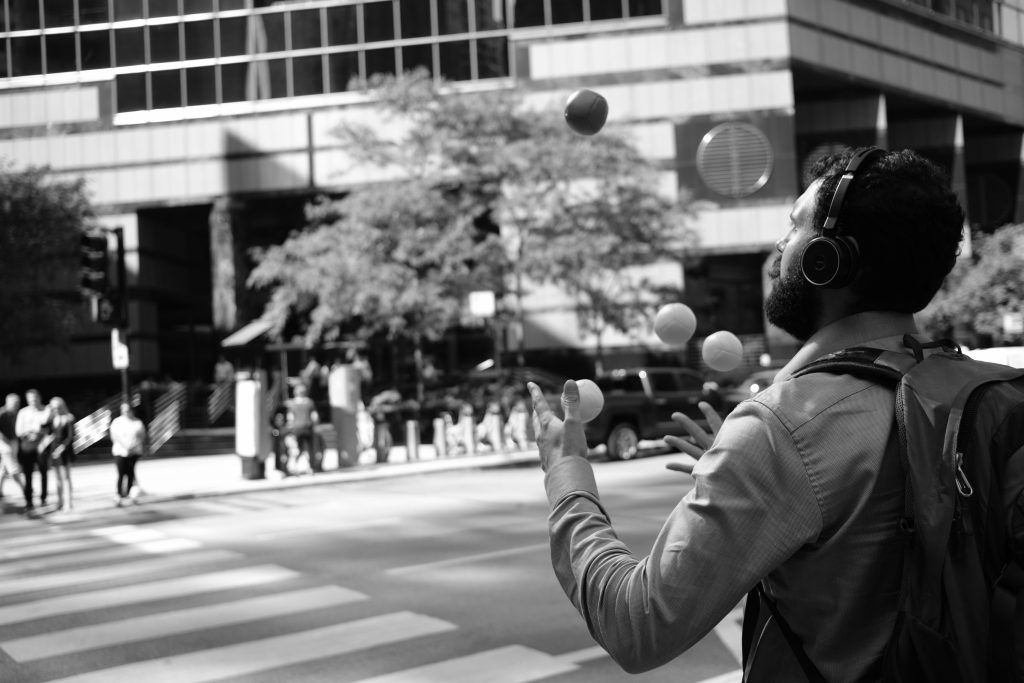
column 204, row 476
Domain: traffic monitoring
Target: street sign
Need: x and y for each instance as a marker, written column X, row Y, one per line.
column 118, row 350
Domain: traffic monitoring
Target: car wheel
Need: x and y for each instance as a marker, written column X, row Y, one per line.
column 623, row 442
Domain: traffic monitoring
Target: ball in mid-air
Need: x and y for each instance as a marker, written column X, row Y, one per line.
column 675, row 324
column 586, row 111
column 722, row 351
column 591, row 399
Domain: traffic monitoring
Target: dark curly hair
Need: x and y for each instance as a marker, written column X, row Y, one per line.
column 907, row 222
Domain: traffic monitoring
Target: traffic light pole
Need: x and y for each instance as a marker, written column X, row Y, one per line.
column 122, row 302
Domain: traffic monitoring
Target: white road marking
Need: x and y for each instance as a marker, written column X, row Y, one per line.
column 144, row 592
column 730, row 632
column 271, row 653
column 465, row 559
column 142, row 567
column 162, row 547
column 511, row 664
column 52, row 548
column 730, row 677
column 177, row 622
column 585, row 655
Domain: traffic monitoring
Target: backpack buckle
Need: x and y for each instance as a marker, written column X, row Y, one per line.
column 963, row 485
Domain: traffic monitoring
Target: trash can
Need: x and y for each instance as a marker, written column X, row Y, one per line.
column 252, row 430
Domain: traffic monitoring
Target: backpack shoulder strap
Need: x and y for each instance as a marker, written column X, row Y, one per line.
column 885, row 367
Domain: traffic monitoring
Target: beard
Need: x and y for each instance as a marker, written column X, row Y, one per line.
column 792, row 305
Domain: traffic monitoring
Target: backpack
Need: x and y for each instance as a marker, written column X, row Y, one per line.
column 960, row 429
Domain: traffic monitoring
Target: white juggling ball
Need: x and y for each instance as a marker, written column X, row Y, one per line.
column 722, row 351
column 591, row 399
column 675, row 324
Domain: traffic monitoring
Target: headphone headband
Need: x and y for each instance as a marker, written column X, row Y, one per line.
column 865, row 155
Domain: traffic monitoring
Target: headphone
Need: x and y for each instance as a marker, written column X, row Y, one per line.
column 831, row 260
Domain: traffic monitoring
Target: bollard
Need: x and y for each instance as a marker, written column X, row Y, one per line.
column 440, row 437
column 412, row 440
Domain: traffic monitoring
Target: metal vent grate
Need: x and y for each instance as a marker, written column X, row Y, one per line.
column 735, row 159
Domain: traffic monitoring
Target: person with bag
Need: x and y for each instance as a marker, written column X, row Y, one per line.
column 31, row 427
column 828, row 499
column 60, row 450
column 128, row 440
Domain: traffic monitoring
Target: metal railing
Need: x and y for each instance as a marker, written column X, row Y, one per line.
column 93, row 427
column 221, row 400
column 167, row 413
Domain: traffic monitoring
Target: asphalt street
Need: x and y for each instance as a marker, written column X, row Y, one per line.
column 441, row 576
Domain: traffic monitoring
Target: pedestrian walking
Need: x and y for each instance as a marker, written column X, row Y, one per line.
column 60, row 450
column 301, row 420
column 31, row 426
column 128, row 443
column 517, row 429
column 9, row 465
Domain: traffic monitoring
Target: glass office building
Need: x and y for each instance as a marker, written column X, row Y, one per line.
column 203, row 126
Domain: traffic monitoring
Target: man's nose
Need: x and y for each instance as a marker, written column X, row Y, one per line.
column 780, row 246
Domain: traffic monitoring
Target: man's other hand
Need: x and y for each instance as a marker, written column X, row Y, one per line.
column 557, row 438
column 699, row 441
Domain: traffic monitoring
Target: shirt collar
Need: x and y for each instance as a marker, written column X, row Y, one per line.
column 854, row 330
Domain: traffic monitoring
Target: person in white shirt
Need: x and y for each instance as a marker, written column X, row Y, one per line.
column 129, row 443
column 31, row 426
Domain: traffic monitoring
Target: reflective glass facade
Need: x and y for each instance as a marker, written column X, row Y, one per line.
column 175, row 53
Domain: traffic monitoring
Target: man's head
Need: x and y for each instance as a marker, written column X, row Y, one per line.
column 907, row 226
column 33, row 398
column 12, row 401
column 300, row 391
column 126, row 409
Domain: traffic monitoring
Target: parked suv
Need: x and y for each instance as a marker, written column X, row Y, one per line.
column 638, row 406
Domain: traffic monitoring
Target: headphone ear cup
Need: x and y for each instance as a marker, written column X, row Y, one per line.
column 829, row 261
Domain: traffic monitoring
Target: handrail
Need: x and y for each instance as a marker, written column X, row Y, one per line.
column 221, row 400
column 168, row 409
column 93, row 427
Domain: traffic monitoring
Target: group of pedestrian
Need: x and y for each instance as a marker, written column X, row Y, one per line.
column 494, row 432
column 293, row 435
column 37, row 438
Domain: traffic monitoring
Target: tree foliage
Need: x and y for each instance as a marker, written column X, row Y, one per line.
column 487, row 185
column 982, row 288
column 41, row 220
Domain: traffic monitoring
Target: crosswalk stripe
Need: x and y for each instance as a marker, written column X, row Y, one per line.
column 271, row 653
column 41, row 536
column 511, row 664
column 144, row 592
column 465, row 559
column 177, row 622
column 82, row 576
column 52, row 548
column 164, row 546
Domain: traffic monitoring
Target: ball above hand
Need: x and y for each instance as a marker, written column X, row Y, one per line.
column 586, row 111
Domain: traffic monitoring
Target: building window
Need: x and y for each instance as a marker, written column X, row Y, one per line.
column 735, row 159
column 529, row 13
column 342, row 68
column 453, row 17
column 233, row 81
column 306, row 29
column 308, row 75
column 3, row 58
column 566, row 11
column 415, row 16
column 23, row 15
column 127, row 9
column 198, row 39
column 58, row 13
column 226, row 5
column 380, row 62
column 129, row 46
column 414, row 56
column 600, row 10
column 163, row 8
column 378, row 21
column 342, row 28
column 644, row 8
column 166, row 91
column 200, row 86
column 455, row 62
column 232, row 36
column 95, row 47
column 198, row 6
column 164, row 45
column 492, row 58
column 131, row 92
column 93, row 12
column 26, row 56
column 60, row 53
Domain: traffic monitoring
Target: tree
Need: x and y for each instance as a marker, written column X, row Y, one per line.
column 41, row 220
column 981, row 289
column 485, row 186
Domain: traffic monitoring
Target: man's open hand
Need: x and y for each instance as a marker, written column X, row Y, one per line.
column 699, row 441
column 557, row 438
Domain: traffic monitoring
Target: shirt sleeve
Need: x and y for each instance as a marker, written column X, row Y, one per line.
column 751, row 507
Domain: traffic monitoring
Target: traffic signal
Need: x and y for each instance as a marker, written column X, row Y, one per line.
column 95, row 261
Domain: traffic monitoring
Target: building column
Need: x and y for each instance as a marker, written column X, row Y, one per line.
column 227, row 259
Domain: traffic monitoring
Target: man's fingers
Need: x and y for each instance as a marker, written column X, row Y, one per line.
column 701, row 437
column 571, row 400
column 684, row 467
column 541, row 410
column 684, row 446
column 711, row 415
